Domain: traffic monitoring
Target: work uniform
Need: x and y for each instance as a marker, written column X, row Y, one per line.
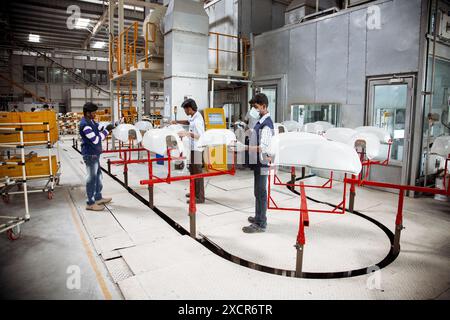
column 91, row 149
column 197, row 126
column 248, row 133
column 261, row 137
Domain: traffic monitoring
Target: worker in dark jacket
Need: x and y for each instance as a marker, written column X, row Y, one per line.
column 92, row 136
column 259, row 159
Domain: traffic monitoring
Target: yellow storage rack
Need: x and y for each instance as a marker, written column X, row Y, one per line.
column 18, row 131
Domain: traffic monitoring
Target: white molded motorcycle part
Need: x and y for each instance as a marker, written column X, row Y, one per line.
column 313, row 151
column 123, row 132
column 441, row 146
column 279, row 128
column 325, row 125
column 292, row 125
column 381, row 133
column 156, row 141
column 343, row 135
column 143, row 125
column 371, row 141
column 217, row 137
column 313, row 128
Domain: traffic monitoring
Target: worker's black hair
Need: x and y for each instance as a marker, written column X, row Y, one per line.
column 189, row 103
column 45, row 106
column 261, row 99
column 89, row 107
column 33, row 109
column 251, row 102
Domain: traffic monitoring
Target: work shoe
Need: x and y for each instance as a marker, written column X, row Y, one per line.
column 253, row 228
column 251, row 219
column 103, row 201
column 95, row 207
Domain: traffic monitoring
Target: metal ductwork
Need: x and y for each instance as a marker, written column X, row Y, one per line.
column 186, row 29
column 299, row 9
column 156, row 17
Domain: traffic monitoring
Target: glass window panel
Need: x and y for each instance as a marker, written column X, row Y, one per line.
column 54, row 75
column 66, row 77
column 91, row 75
column 308, row 113
column 40, row 74
column 271, row 94
column 390, row 113
column 29, row 74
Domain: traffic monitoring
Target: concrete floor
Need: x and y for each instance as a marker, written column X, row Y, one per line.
column 140, row 256
column 50, row 250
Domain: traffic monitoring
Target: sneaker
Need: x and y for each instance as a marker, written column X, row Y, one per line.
column 103, row 201
column 95, row 207
column 251, row 219
column 253, row 228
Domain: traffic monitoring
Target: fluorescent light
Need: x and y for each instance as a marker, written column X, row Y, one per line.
column 99, row 45
column 82, row 23
column 34, row 37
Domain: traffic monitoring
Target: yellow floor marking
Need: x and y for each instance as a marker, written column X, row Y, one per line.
column 88, row 250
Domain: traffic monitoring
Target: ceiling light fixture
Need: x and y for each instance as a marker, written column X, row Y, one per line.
column 82, row 23
column 34, row 37
column 99, row 45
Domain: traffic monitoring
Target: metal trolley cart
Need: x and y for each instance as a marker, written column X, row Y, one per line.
column 18, row 171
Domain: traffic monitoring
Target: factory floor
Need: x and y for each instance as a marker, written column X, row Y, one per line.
column 129, row 251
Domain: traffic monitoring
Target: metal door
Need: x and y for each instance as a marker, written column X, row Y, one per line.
column 390, row 106
column 271, row 93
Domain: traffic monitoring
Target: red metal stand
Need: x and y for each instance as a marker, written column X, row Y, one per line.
column 153, row 179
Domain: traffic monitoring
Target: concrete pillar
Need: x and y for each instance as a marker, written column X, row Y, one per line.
column 185, row 55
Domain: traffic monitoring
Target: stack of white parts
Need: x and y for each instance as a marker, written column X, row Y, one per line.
column 302, row 149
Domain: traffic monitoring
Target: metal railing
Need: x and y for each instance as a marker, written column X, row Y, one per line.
column 126, row 46
column 242, row 52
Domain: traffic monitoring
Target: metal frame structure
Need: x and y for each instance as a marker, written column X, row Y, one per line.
column 153, row 179
column 353, row 181
column 12, row 225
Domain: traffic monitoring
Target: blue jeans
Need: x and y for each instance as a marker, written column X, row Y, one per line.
column 94, row 184
column 260, row 191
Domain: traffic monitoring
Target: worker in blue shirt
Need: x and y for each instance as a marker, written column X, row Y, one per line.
column 92, row 135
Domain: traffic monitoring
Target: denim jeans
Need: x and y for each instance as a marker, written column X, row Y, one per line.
column 260, row 191
column 94, row 184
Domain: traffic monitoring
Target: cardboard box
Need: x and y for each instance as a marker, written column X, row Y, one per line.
column 42, row 116
column 39, row 166
column 9, row 136
column 10, row 170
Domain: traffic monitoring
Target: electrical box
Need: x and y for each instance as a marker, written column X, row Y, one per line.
column 444, row 25
column 216, row 156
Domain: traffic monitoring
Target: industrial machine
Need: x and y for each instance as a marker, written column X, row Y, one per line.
column 216, row 156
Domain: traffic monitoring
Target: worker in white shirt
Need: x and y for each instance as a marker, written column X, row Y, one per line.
column 251, row 118
column 196, row 130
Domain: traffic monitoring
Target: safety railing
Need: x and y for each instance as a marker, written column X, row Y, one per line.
column 242, row 53
column 126, row 45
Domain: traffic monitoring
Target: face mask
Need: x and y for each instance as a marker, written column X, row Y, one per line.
column 254, row 113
